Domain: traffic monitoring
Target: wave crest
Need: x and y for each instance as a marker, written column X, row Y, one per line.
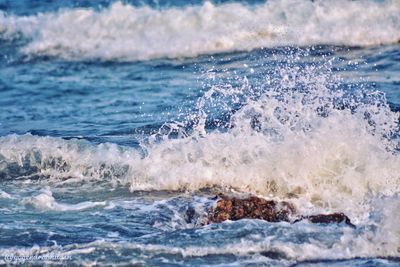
column 125, row 32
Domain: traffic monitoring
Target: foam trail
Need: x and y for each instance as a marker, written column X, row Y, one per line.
column 46, row 201
column 5, row 195
column 293, row 243
column 125, row 32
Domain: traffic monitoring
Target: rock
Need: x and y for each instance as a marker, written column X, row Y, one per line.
column 329, row 218
column 235, row 208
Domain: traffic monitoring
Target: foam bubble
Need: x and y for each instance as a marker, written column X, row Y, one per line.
column 125, row 32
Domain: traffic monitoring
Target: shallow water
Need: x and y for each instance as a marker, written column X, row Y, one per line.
column 115, row 119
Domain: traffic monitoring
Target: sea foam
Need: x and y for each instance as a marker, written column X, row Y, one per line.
column 46, row 201
column 302, row 139
column 125, row 32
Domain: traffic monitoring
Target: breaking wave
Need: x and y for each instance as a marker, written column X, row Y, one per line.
column 295, row 136
column 125, row 32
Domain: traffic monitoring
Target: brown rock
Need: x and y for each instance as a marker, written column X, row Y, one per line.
column 235, row 208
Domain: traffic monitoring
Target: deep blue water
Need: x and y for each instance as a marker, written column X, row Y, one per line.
column 104, row 148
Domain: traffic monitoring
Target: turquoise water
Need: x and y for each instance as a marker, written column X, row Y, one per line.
column 116, row 117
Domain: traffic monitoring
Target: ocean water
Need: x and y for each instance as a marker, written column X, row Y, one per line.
column 118, row 116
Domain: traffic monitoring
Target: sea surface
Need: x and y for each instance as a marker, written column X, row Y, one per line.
column 116, row 117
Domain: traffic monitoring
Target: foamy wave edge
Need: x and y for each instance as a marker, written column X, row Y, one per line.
column 125, row 32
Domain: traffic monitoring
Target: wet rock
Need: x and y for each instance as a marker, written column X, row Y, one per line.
column 236, row 208
column 274, row 254
column 329, row 218
column 190, row 215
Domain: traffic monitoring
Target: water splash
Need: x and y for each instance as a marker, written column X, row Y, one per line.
column 295, row 133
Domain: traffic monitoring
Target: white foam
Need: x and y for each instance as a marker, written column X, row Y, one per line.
column 382, row 242
column 65, row 160
column 46, row 201
column 4, row 194
column 125, row 32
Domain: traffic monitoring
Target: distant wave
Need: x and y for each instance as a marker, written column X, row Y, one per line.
column 124, row 32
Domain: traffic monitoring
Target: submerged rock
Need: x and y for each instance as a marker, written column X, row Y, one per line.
column 235, row 208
